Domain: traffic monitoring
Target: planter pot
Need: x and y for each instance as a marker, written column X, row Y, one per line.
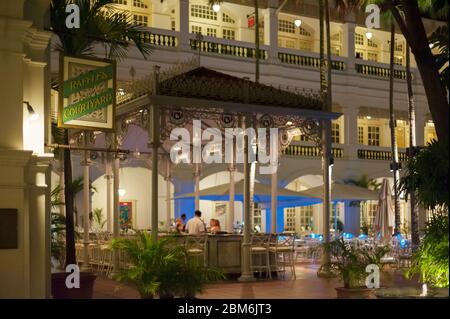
column 411, row 293
column 60, row 291
column 355, row 293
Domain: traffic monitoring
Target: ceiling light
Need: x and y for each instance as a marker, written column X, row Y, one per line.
column 298, row 23
column 369, row 35
column 216, row 7
column 122, row 192
column 369, row 117
column 289, row 123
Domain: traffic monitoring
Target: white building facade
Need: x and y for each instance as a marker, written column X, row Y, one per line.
column 289, row 60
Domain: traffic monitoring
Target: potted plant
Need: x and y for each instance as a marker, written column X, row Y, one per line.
column 430, row 262
column 162, row 268
column 349, row 262
column 427, row 176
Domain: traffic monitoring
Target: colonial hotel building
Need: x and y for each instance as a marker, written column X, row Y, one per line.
column 289, row 37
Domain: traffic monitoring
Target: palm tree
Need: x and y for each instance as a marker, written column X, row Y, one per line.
column 392, row 125
column 411, row 152
column 99, row 24
column 413, row 30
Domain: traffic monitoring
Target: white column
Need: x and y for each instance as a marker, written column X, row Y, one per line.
column 230, row 216
column 86, row 204
column 39, row 214
column 349, row 44
column 184, row 25
column 197, row 186
column 116, row 222
column 271, row 30
column 246, row 274
column 168, row 193
column 109, row 189
column 351, row 132
column 273, row 207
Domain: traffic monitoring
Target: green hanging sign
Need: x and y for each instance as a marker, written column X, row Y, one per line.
column 87, row 93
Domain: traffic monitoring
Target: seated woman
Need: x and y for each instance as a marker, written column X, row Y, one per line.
column 215, row 226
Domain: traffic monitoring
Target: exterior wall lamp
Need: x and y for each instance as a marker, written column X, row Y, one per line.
column 32, row 114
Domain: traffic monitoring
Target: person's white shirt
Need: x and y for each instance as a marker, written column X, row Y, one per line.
column 195, row 226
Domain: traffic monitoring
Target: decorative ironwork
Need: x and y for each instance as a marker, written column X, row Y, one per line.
column 266, row 121
column 203, row 83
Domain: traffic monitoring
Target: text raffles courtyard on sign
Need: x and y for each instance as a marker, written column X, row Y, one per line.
column 87, row 95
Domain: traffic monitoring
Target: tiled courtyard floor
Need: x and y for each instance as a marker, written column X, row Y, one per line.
column 306, row 286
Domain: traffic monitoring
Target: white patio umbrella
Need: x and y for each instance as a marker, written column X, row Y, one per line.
column 384, row 218
column 262, row 194
column 342, row 193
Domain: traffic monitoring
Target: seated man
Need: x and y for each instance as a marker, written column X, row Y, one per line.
column 195, row 226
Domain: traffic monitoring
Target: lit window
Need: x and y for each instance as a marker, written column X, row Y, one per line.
column 227, row 19
column 306, row 218
column 335, row 133
column 139, row 4
column 289, row 216
column 196, row 29
column 228, row 34
column 359, row 39
column 211, row 32
column 368, row 211
column 140, row 20
column 359, row 54
column 304, row 32
column 203, row 12
column 372, row 56
column 360, row 134
column 371, row 44
column 257, row 216
column 286, row 26
column 398, row 60
column 373, row 135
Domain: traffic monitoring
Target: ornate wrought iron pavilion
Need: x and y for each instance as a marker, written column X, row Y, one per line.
column 164, row 101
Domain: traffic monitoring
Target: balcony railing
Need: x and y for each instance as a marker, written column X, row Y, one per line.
column 226, row 47
column 380, row 155
column 310, row 151
column 159, row 37
column 309, row 61
column 379, row 71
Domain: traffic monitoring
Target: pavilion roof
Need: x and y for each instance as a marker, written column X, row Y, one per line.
column 204, row 83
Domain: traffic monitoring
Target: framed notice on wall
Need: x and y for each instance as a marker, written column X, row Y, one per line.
column 87, row 93
column 127, row 214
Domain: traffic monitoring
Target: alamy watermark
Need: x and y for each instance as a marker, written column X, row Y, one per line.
column 262, row 146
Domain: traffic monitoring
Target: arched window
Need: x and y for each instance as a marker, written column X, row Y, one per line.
column 292, row 37
column 204, row 20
